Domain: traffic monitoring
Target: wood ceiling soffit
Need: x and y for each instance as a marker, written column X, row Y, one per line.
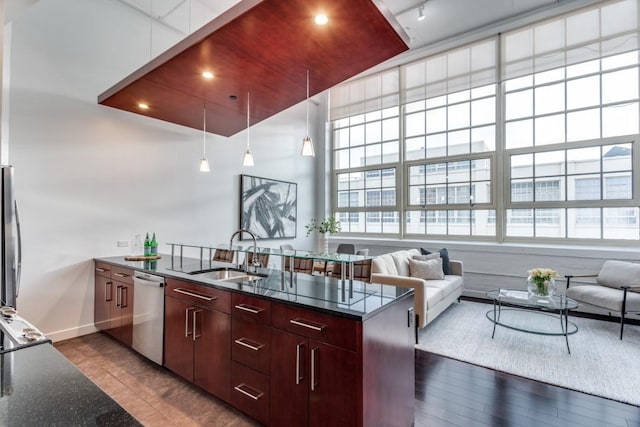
column 263, row 47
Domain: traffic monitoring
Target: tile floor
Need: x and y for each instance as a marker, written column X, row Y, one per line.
column 152, row 394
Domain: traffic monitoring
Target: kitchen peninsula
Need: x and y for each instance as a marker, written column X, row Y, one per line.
column 284, row 349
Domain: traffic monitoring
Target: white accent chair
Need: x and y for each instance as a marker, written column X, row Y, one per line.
column 616, row 289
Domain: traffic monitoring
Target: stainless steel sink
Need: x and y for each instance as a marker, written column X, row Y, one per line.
column 227, row 275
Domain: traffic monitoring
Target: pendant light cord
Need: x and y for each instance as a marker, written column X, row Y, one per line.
column 248, row 111
column 204, row 132
column 307, row 102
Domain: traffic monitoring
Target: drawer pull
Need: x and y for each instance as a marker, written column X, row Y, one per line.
column 121, row 275
column 249, row 308
column 193, row 294
column 245, row 342
column 256, row 396
column 101, row 270
column 298, row 322
column 314, row 384
column 298, row 376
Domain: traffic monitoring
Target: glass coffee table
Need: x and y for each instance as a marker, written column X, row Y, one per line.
column 516, row 309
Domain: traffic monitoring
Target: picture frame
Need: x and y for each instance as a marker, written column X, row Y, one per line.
column 268, row 207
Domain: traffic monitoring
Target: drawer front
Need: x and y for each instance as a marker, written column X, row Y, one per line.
column 203, row 296
column 251, row 309
column 251, row 344
column 250, row 392
column 321, row 327
column 122, row 274
column 103, row 270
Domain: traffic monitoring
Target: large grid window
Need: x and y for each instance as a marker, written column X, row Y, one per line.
column 558, row 126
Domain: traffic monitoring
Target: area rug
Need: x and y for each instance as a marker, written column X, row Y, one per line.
column 599, row 363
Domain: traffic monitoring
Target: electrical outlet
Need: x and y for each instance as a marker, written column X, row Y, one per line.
column 123, row 243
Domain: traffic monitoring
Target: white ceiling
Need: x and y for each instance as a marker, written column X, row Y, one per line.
column 448, row 18
column 443, row 18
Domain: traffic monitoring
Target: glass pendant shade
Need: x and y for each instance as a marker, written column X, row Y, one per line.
column 307, row 143
column 204, row 165
column 247, row 160
column 307, row 148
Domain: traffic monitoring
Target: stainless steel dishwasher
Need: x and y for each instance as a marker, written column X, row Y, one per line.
column 148, row 315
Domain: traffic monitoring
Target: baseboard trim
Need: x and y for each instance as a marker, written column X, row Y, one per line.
column 66, row 334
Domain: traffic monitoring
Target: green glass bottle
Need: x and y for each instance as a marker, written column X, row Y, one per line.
column 154, row 245
column 147, row 246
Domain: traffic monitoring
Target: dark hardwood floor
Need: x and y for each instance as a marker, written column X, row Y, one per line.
column 453, row 393
column 448, row 393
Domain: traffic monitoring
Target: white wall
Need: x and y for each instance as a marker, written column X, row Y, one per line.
column 88, row 175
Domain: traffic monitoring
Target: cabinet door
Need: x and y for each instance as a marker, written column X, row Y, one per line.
column 333, row 399
column 178, row 337
column 126, row 314
column 289, row 379
column 212, row 352
column 102, row 302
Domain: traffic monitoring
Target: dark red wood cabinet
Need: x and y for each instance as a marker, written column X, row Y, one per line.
column 283, row 364
column 251, row 353
column 312, row 383
column 113, row 302
column 197, row 336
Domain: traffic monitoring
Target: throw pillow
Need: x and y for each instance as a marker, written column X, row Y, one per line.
column 429, row 270
column 427, row 257
column 444, row 254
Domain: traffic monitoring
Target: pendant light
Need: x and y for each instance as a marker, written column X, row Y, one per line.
column 307, row 143
column 247, row 160
column 204, row 163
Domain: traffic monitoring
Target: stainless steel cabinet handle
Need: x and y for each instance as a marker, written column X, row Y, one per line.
column 298, row 376
column 249, row 308
column 195, row 314
column 245, row 342
column 313, row 369
column 126, row 297
column 120, row 275
column 119, row 296
column 193, row 294
column 110, row 293
column 256, row 396
column 186, row 322
column 100, row 270
column 306, row 325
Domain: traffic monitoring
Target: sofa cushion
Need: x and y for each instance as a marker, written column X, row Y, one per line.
column 432, row 296
column 447, row 286
column 401, row 260
column 384, row 264
column 429, row 269
column 444, row 254
column 619, row 273
column 603, row 296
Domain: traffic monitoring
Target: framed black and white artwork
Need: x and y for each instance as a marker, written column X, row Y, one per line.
column 268, row 207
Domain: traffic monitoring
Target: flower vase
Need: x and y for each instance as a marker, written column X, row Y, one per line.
column 323, row 243
column 541, row 288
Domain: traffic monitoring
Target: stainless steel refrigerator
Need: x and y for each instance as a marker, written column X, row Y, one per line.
column 10, row 241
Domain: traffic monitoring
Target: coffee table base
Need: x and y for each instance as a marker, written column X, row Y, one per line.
column 532, row 322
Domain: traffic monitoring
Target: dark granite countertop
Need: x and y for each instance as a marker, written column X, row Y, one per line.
column 314, row 292
column 40, row 387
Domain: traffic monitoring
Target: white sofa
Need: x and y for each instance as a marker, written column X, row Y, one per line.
column 431, row 297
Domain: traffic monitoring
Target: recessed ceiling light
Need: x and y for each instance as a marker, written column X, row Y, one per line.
column 207, row 74
column 321, row 19
column 143, row 106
